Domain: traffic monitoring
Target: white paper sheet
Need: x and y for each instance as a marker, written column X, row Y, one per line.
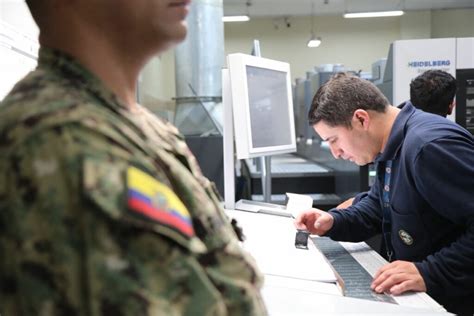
column 298, row 203
column 271, row 240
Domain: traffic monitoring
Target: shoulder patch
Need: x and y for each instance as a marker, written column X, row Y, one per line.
column 156, row 201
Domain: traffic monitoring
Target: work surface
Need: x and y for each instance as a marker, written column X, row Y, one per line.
column 303, row 282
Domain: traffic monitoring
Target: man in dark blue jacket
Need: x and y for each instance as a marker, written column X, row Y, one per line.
column 423, row 197
column 433, row 91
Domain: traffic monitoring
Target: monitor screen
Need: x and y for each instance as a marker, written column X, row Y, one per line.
column 262, row 105
column 268, row 107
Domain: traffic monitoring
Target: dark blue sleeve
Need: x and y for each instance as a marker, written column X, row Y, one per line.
column 359, row 197
column 359, row 221
column 445, row 178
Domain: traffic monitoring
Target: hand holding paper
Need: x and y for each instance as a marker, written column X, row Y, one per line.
column 298, row 203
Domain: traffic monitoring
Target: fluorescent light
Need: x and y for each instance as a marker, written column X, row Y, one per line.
column 314, row 42
column 235, row 18
column 372, row 14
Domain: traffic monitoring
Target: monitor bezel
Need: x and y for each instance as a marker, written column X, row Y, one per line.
column 237, row 64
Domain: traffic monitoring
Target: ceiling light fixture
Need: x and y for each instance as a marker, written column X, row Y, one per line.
column 372, row 14
column 239, row 18
column 236, row 18
column 314, row 41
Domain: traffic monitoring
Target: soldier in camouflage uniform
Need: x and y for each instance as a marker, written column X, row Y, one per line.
column 103, row 209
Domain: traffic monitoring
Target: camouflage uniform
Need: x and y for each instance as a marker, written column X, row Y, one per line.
column 104, row 211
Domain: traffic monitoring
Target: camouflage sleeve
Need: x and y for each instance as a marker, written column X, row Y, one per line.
column 73, row 245
column 232, row 270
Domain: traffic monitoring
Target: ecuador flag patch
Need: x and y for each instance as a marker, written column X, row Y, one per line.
column 156, row 201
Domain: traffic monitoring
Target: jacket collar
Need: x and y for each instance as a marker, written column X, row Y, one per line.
column 69, row 68
column 397, row 134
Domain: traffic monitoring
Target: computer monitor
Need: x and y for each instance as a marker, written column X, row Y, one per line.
column 262, row 106
column 258, row 109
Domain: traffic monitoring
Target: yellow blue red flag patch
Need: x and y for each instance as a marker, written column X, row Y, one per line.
column 157, row 202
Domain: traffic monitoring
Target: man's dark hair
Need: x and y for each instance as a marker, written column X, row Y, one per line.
column 433, row 91
column 336, row 100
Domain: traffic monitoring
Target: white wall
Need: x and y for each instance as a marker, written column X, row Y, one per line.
column 15, row 13
column 415, row 25
column 452, row 23
column 356, row 43
column 20, row 31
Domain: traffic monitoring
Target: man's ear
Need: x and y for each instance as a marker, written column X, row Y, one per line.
column 361, row 118
column 451, row 107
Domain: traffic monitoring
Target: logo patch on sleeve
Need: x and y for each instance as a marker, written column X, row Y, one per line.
column 156, row 201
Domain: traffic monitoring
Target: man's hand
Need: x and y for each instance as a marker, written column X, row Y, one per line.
column 315, row 221
column 398, row 277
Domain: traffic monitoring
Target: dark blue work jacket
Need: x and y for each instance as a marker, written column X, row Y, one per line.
column 431, row 205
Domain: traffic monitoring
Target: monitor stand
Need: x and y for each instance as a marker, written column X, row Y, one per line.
column 262, row 207
column 228, row 146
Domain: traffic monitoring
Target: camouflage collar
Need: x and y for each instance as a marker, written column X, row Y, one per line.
column 68, row 67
